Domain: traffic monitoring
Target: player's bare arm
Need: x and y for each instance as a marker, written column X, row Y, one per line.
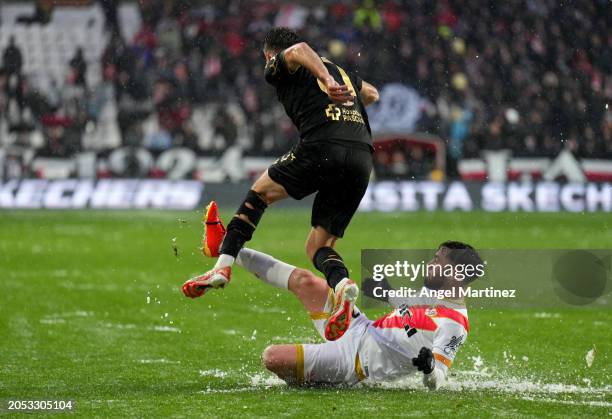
column 302, row 55
column 369, row 93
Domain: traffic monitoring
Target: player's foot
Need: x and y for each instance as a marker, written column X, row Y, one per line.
column 214, row 231
column 199, row 285
column 342, row 313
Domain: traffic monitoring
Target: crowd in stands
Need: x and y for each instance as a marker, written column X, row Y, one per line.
column 533, row 76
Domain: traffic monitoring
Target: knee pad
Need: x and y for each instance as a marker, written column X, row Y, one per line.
column 240, row 231
column 255, row 208
column 244, row 228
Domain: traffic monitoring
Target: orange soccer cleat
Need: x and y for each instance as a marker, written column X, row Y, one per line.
column 199, row 285
column 214, row 231
column 342, row 313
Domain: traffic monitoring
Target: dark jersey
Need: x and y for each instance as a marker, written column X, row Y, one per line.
column 315, row 115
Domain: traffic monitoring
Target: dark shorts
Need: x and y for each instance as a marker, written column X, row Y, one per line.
column 338, row 172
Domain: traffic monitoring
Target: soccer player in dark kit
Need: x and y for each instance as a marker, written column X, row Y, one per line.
column 332, row 158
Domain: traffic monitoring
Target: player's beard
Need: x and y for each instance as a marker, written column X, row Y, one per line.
column 434, row 282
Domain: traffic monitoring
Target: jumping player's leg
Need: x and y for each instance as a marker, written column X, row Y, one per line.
column 311, row 290
column 345, row 172
column 334, row 206
column 319, row 248
column 263, row 193
column 291, row 175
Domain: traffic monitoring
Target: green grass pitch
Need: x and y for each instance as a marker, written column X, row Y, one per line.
column 91, row 311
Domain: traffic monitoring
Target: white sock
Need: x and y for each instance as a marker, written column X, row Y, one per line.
column 265, row 267
column 224, row 261
column 340, row 284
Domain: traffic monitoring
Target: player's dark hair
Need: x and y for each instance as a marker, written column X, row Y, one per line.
column 462, row 254
column 450, row 244
column 278, row 39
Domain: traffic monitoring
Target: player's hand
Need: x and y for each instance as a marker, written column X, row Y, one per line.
column 194, row 288
column 424, row 361
column 336, row 92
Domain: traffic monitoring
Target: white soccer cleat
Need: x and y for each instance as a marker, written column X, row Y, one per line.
column 342, row 313
column 215, row 278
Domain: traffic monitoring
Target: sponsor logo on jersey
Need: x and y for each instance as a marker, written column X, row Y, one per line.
column 332, row 112
column 454, row 344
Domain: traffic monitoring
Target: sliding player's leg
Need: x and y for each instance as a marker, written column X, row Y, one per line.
column 286, row 361
column 332, row 362
column 329, row 363
column 311, row 290
column 315, row 295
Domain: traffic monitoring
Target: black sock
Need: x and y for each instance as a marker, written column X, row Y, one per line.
column 240, row 231
column 330, row 263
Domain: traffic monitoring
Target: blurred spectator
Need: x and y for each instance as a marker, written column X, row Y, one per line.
column 419, row 168
column 398, row 166
column 367, row 16
column 173, row 111
column 381, row 164
column 110, row 14
column 78, row 66
column 12, row 59
column 184, row 85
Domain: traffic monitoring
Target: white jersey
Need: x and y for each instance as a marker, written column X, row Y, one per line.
column 387, row 348
column 382, row 350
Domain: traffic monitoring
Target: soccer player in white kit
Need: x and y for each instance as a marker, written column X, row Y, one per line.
column 420, row 334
